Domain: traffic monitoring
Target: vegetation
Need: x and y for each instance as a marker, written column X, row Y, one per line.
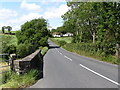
column 32, row 35
column 44, row 50
column 9, row 43
column 86, row 49
column 66, row 39
column 13, row 80
column 95, row 26
column 94, row 22
column 9, row 28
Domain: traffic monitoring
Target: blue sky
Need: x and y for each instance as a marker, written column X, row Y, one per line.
column 17, row 12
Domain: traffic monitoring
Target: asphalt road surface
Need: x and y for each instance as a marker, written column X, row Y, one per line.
column 63, row 69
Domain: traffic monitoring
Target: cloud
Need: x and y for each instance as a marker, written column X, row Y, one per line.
column 13, row 19
column 21, row 20
column 30, row 6
column 56, row 12
column 6, row 14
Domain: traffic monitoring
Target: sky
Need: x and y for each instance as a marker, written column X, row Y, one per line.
column 15, row 13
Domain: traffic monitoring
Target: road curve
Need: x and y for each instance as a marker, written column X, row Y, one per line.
column 63, row 69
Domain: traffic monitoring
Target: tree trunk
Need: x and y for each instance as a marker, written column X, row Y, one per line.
column 118, row 50
column 93, row 37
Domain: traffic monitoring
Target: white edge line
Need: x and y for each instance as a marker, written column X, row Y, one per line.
column 68, row 58
column 100, row 75
column 91, row 58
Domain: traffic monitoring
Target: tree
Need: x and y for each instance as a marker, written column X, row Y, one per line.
column 33, row 33
column 9, row 29
column 96, row 22
column 3, row 29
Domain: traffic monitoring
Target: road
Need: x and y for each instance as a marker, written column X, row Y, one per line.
column 63, row 69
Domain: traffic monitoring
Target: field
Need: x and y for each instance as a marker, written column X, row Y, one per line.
column 66, row 39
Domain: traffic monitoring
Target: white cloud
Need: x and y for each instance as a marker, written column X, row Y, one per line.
column 16, row 23
column 11, row 17
column 6, row 14
column 30, row 6
column 56, row 12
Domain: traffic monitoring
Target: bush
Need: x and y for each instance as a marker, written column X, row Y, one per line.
column 5, row 77
column 61, row 43
column 24, row 50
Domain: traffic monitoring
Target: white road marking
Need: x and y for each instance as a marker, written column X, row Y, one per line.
column 60, row 53
column 68, row 58
column 100, row 75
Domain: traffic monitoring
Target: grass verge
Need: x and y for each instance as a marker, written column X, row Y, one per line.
column 13, row 80
column 73, row 47
column 44, row 50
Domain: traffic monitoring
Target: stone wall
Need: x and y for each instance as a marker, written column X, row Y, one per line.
column 31, row 61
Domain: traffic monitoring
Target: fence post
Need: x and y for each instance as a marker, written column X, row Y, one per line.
column 118, row 50
column 12, row 58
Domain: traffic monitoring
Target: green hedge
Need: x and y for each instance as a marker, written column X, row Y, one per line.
column 91, row 50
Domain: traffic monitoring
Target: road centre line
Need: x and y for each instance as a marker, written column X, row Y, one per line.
column 100, row 75
column 68, row 58
column 61, row 53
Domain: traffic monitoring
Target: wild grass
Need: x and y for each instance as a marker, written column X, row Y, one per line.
column 44, row 50
column 66, row 39
column 13, row 80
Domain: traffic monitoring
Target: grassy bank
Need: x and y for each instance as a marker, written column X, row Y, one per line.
column 89, row 50
column 66, row 39
column 44, row 50
column 13, row 80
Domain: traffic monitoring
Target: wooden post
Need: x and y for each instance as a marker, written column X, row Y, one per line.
column 12, row 58
column 118, row 50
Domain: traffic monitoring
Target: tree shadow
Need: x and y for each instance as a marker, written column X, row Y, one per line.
column 53, row 47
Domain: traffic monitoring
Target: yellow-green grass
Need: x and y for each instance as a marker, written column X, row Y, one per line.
column 66, row 39
column 14, row 80
column 44, row 50
column 2, row 64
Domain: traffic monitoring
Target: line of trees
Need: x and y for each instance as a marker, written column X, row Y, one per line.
column 96, row 22
column 9, row 28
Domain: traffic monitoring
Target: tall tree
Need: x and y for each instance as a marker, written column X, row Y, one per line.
column 9, row 29
column 3, row 29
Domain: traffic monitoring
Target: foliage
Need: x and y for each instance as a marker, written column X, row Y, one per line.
column 9, row 28
column 44, row 50
column 62, row 43
column 24, row 50
column 34, row 34
column 96, row 22
column 13, row 80
column 91, row 50
column 9, row 43
column 66, row 39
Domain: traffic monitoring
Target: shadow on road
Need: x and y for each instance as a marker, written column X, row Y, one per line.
column 52, row 47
